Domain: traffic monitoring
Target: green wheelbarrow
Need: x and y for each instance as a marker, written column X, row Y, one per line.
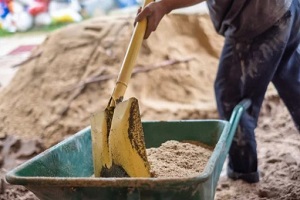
column 65, row 171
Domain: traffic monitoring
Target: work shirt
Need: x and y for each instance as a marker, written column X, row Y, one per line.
column 246, row 18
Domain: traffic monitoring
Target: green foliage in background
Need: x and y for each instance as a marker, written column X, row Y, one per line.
column 51, row 27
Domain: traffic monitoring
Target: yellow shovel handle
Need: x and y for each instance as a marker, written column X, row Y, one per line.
column 130, row 59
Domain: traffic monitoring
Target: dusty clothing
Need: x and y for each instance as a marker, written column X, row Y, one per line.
column 246, row 18
column 245, row 71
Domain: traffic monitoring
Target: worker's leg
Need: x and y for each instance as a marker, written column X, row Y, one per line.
column 287, row 76
column 287, row 83
column 245, row 70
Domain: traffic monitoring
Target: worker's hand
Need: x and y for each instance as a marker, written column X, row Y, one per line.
column 153, row 12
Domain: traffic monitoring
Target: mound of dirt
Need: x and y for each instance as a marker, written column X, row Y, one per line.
column 41, row 100
column 72, row 74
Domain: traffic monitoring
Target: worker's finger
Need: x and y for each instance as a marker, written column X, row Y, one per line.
column 138, row 12
column 147, row 11
column 147, row 33
column 150, row 27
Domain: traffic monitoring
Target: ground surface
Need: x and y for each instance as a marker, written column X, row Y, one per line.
column 174, row 81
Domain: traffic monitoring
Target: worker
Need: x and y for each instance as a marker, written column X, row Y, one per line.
column 261, row 45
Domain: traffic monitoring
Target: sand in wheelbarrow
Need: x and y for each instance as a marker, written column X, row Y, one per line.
column 175, row 159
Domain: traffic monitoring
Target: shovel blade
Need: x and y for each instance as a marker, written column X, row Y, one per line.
column 100, row 125
column 126, row 140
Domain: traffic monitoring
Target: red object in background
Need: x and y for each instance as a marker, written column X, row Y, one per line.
column 9, row 5
column 22, row 49
column 39, row 6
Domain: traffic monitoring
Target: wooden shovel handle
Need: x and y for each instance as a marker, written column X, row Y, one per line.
column 130, row 59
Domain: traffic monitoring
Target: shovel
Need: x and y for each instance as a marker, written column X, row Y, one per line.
column 117, row 134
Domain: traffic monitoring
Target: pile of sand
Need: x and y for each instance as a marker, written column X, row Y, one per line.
column 39, row 103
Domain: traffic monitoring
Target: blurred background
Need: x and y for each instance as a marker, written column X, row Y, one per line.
column 25, row 15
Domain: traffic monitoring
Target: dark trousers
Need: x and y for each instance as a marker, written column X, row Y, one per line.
column 246, row 68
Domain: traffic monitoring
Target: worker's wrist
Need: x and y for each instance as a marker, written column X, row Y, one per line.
column 165, row 6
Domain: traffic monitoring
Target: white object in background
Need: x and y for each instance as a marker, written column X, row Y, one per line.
column 25, row 2
column 9, row 24
column 65, row 16
column 19, row 20
column 55, row 6
column 17, row 7
column 23, row 21
column 98, row 7
column 75, row 5
column 42, row 19
column 64, row 12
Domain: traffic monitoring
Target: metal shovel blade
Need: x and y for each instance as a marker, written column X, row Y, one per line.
column 118, row 142
column 126, row 140
column 100, row 126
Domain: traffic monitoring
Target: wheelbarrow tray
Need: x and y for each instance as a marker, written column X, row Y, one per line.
column 65, row 171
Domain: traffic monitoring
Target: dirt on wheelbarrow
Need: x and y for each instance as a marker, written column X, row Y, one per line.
column 73, row 73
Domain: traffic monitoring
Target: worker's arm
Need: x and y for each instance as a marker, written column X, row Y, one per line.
column 155, row 11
